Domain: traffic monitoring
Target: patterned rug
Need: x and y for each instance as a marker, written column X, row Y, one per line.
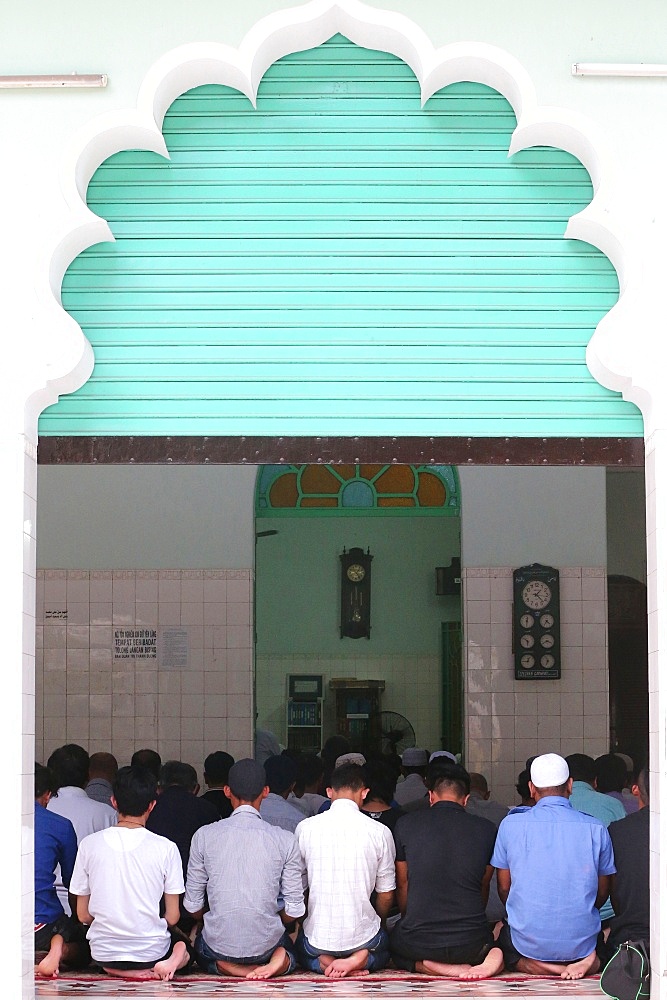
column 309, row 987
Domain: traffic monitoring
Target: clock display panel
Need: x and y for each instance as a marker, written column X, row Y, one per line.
column 536, row 594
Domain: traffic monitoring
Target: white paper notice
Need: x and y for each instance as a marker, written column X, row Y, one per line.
column 174, row 648
column 134, row 644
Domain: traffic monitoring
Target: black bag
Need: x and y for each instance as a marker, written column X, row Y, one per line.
column 627, row 974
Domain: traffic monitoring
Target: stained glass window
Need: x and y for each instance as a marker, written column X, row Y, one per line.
column 357, row 489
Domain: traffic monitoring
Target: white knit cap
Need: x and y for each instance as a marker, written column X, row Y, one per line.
column 549, row 770
column 350, row 758
column 442, row 753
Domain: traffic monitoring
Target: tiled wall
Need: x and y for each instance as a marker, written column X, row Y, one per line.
column 413, row 688
column 508, row 720
column 86, row 694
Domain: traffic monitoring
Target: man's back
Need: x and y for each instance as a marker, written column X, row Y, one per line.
column 447, row 851
column 55, row 845
column 347, row 857
column 630, row 892
column 554, row 855
column 279, row 812
column 585, row 799
column 86, row 816
column 177, row 815
column 243, row 865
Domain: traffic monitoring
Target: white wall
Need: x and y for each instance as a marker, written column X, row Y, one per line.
column 146, row 517
column 517, row 516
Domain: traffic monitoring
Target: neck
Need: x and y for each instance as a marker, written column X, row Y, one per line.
column 132, row 821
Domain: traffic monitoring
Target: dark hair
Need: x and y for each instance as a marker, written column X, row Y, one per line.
column 44, row 780
column 217, row 765
column 134, row 789
column 334, row 748
column 522, row 785
column 478, row 783
column 148, row 758
column 69, row 765
column 443, row 774
column 310, row 769
column 103, row 765
column 350, row 776
column 177, row 772
column 280, row 773
column 381, row 781
column 582, row 767
column 553, row 790
column 610, row 773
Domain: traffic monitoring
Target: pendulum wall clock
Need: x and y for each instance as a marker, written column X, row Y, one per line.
column 355, row 594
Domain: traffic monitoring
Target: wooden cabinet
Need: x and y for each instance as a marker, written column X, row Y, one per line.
column 358, row 712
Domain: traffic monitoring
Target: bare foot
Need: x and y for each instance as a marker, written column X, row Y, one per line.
column 443, row 969
column 491, row 966
column 130, row 973
column 532, row 967
column 338, row 968
column 277, row 965
column 48, row 967
column 584, row 967
column 167, row 967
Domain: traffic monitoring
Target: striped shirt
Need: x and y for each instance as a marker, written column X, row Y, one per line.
column 242, row 865
column 347, row 857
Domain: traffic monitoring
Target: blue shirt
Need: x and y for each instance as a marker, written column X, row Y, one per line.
column 55, row 844
column 554, row 855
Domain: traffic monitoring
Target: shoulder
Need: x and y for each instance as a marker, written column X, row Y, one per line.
column 630, row 826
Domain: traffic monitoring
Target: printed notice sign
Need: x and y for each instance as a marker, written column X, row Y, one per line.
column 135, row 644
column 174, row 648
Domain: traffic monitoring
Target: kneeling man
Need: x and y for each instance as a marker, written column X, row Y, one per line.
column 245, row 880
column 443, row 872
column 120, row 877
column 348, row 857
column 554, row 866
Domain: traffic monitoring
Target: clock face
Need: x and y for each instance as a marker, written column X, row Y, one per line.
column 527, row 661
column 547, row 641
column 547, row 661
column 536, row 594
column 547, row 621
column 356, row 573
column 527, row 641
column 527, row 621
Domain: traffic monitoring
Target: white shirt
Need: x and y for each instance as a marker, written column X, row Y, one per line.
column 86, row 816
column 347, row 856
column 126, row 872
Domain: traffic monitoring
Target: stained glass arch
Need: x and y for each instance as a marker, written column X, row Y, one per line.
column 352, row 490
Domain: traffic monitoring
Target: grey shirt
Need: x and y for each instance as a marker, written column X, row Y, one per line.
column 277, row 811
column 243, row 865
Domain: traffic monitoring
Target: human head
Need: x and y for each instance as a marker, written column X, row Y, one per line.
column 148, row 758
column 103, row 765
column 350, row 758
column 44, row 781
column 69, row 764
column 523, row 790
column 479, row 786
column 447, row 780
column 348, row 782
column 246, row 783
column 642, row 784
column 310, row 770
column 280, row 774
column 216, row 768
column 443, row 753
column 134, row 790
column 177, row 772
column 610, row 773
column 582, row 768
column 381, row 781
column 333, row 748
column 549, row 775
column 414, row 761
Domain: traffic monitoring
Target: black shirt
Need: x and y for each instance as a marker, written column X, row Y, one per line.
column 220, row 801
column 447, row 851
column 630, row 840
column 177, row 815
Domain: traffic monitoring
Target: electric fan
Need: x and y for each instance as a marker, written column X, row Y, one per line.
column 396, row 732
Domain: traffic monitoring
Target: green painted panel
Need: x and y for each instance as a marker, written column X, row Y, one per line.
column 341, row 262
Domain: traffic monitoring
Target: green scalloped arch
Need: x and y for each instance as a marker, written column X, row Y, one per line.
column 357, row 495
